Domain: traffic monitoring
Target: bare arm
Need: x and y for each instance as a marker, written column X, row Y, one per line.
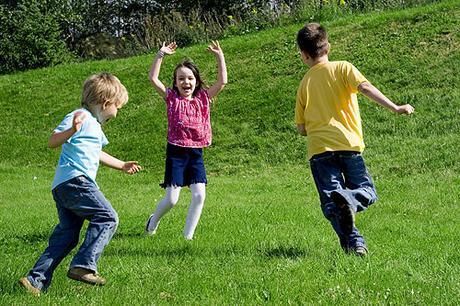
column 129, row 167
column 374, row 94
column 301, row 129
column 156, row 65
column 58, row 138
column 221, row 69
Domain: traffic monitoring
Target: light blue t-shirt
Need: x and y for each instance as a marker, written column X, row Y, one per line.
column 80, row 153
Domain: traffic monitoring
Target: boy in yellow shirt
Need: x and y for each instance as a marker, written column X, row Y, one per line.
column 327, row 113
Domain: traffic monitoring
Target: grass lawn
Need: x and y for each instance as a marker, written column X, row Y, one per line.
column 262, row 237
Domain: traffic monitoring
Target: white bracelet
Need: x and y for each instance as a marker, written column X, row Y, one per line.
column 160, row 54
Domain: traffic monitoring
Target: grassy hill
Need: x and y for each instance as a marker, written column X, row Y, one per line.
column 412, row 56
column 257, row 242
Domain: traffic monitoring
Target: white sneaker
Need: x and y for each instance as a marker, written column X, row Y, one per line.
column 188, row 238
column 151, row 227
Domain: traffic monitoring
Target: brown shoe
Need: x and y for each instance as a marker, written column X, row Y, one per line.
column 86, row 276
column 25, row 283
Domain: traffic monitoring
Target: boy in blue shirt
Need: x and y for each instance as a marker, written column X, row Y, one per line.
column 74, row 187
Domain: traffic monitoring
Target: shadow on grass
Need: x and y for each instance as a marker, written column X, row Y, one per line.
column 182, row 251
column 284, row 252
column 136, row 234
column 29, row 238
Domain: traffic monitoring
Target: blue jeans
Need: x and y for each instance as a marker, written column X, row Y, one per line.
column 76, row 200
column 343, row 170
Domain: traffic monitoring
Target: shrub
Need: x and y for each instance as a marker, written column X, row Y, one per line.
column 29, row 39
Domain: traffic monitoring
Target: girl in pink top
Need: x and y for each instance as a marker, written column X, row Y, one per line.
column 189, row 131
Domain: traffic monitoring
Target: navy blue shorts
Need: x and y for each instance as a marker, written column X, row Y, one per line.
column 184, row 166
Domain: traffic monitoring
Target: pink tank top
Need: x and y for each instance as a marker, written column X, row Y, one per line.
column 189, row 121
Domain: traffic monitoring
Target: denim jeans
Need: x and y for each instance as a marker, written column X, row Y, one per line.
column 76, row 200
column 343, row 170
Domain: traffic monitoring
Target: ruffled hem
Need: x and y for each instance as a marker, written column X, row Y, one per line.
column 175, row 184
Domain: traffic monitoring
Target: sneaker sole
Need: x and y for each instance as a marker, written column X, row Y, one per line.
column 81, row 279
column 147, row 232
column 25, row 283
column 360, row 251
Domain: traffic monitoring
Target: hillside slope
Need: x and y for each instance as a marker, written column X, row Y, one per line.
column 412, row 56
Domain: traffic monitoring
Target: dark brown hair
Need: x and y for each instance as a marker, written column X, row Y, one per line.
column 187, row 63
column 312, row 39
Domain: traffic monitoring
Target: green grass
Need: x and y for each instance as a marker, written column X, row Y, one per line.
column 262, row 237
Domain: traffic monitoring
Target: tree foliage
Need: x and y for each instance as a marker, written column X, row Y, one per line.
column 29, row 39
column 38, row 33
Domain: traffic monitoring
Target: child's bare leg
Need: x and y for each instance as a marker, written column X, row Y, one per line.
column 194, row 211
column 165, row 205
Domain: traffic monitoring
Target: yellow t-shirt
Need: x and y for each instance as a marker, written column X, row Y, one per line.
column 327, row 105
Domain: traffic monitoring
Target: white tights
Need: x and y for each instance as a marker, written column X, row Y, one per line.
column 194, row 212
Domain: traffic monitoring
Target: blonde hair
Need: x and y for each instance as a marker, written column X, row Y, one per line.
column 101, row 88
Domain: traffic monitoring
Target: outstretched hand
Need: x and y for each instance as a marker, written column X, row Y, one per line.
column 214, row 48
column 405, row 109
column 169, row 49
column 131, row 167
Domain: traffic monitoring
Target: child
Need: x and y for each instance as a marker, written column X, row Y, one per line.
column 189, row 130
column 75, row 191
column 327, row 113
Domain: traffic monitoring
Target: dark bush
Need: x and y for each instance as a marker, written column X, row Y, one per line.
column 29, row 39
column 38, row 33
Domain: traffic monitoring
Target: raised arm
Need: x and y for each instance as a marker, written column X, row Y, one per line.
column 156, row 65
column 374, row 94
column 129, row 167
column 58, row 138
column 214, row 90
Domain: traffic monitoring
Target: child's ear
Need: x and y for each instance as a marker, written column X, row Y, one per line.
column 304, row 55
column 105, row 105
